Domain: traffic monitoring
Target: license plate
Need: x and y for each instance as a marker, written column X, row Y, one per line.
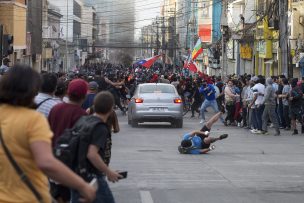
column 158, row 109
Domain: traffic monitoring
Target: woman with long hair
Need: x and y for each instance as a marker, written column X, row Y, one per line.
column 27, row 136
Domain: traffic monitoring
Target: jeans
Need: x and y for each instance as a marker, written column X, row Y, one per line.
column 244, row 116
column 206, row 104
column 230, row 113
column 282, row 120
column 257, row 117
column 270, row 113
column 286, row 115
column 103, row 193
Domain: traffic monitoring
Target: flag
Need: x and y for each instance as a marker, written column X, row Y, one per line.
column 192, row 66
column 197, row 50
column 188, row 60
column 148, row 62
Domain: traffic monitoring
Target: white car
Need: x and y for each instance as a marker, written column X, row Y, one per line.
column 155, row 102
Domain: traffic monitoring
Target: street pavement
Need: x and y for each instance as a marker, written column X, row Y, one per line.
column 243, row 168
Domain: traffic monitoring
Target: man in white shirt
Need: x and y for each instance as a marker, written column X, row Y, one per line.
column 258, row 99
column 45, row 99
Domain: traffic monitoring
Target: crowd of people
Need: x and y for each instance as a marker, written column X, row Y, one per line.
column 37, row 109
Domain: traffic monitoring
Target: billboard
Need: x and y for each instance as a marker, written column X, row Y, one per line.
column 204, row 15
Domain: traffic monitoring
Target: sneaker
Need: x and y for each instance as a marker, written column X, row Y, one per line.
column 212, row 147
column 271, row 125
column 239, row 124
column 287, row 128
column 224, row 136
column 202, row 121
column 258, row 132
column 192, row 116
column 295, row 132
column 264, row 132
column 253, row 131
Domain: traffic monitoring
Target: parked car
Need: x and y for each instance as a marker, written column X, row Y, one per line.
column 155, row 102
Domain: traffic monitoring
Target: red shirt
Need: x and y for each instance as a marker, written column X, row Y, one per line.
column 63, row 116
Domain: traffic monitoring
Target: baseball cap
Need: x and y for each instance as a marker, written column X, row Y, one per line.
column 93, row 85
column 78, row 88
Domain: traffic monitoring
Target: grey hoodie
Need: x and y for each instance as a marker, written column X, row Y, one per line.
column 269, row 96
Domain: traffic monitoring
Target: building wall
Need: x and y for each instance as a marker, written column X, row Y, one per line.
column 66, row 25
column 13, row 18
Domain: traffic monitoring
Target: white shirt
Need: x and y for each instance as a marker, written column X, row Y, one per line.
column 47, row 105
column 260, row 90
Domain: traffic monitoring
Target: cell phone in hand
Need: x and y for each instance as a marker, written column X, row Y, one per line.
column 124, row 174
column 94, row 183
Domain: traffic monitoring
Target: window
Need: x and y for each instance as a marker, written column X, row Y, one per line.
column 157, row 89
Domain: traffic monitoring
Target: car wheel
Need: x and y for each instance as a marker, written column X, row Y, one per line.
column 134, row 123
column 179, row 123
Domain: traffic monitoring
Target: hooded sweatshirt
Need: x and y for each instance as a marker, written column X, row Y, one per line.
column 269, row 96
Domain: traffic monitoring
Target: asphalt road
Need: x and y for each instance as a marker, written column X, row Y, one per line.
column 243, row 168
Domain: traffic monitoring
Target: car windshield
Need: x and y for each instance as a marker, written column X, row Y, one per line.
column 156, row 89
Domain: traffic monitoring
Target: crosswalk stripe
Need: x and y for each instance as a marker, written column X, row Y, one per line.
column 146, row 197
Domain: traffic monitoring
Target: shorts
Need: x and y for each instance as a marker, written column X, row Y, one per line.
column 204, row 145
column 204, row 129
column 295, row 113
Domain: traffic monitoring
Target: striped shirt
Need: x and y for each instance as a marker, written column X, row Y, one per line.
column 46, row 106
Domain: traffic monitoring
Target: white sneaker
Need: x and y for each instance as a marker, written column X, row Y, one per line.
column 253, row 131
column 258, row 132
column 202, row 121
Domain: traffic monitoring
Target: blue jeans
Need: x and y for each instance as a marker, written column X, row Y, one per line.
column 103, row 194
column 257, row 117
column 206, row 104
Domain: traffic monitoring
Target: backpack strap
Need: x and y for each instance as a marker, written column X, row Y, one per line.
column 19, row 171
column 38, row 105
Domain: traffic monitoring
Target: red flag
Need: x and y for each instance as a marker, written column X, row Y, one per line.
column 192, row 66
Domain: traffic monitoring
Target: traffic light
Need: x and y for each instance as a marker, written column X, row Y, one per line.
column 8, row 47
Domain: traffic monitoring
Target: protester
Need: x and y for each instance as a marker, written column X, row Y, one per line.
column 99, row 151
column 64, row 116
column 93, row 89
column 269, row 112
column 198, row 142
column 258, row 92
column 295, row 99
column 45, row 99
column 27, row 136
column 209, row 93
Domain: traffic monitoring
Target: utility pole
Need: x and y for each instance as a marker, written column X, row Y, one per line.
column 66, row 37
column 283, row 43
column 174, row 38
column 163, row 29
column 224, row 29
column 1, row 44
column 157, row 37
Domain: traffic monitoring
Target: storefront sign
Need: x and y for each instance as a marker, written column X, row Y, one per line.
column 246, row 51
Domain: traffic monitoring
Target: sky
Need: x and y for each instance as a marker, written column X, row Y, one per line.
column 146, row 10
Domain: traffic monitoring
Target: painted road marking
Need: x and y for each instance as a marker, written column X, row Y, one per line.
column 146, row 197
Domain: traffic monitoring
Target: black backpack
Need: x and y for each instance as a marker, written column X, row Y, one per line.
column 72, row 146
